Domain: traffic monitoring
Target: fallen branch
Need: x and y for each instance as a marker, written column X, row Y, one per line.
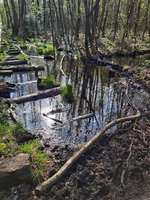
column 35, row 96
column 127, row 165
column 128, row 54
column 75, row 119
column 55, row 120
column 61, row 68
column 64, row 169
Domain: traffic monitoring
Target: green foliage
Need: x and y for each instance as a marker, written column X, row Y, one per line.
column 47, row 82
column 39, row 159
column 2, row 56
column 23, row 57
column 8, row 144
column 4, row 115
column 45, row 49
column 18, row 129
column 3, row 148
column 67, row 93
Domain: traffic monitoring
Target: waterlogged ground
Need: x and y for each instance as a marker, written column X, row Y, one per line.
column 98, row 174
column 95, row 90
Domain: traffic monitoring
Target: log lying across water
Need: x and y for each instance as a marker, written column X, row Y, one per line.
column 22, row 68
column 128, row 54
column 13, row 62
column 6, row 72
column 13, row 52
column 93, row 60
column 36, row 96
column 66, row 167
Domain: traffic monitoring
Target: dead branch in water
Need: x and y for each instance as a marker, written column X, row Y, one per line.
column 76, row 119
column 36, row 96
column 65, row 168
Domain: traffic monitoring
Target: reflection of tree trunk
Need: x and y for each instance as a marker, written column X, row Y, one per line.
column 22, row 9
column 116, row 19
column 8, row 13
column 15, row 24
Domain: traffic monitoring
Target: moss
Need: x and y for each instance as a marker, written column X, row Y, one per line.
column 23, row 57
column 67, row 93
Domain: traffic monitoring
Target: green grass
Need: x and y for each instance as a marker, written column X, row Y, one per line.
column 18, row 129
column 67, row 93
column 39, row 159
column 9, row 147
column 47, row 82
column 45, row 49
column 24, row 57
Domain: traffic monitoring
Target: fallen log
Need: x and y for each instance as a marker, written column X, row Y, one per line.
column 65, row 168
column 128, row 54
column 13, row 52
column 6, row 72
column 36, row 96
column 14, row 62
column 49, row 57
column 92, row 60
column 22, row 68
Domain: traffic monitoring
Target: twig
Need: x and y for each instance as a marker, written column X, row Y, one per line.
column 127, row 165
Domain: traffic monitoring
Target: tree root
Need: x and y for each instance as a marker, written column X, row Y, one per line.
column 65, row 168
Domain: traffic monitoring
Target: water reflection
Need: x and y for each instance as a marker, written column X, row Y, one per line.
column 94, row 90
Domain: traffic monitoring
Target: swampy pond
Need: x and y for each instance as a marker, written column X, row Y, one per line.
column 98, row 92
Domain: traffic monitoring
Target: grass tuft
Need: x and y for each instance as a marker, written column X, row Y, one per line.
column 67, row 93
column 23, row 57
